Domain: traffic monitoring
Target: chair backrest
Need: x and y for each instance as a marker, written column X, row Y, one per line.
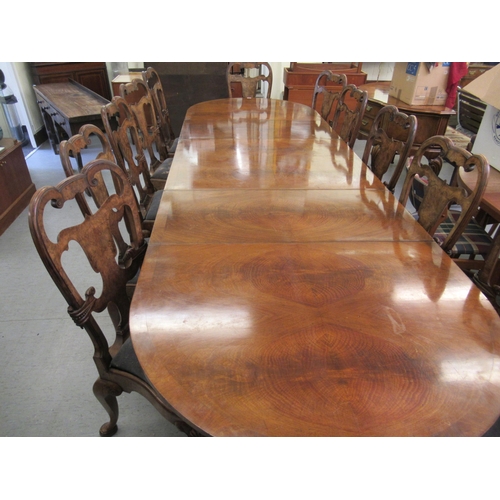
column 113, row 248
column 140, row 101
column 391, row 134
column 249, row 83
column 438, row 195
column 71, row 153
column 330, row 95
column 470, row 110
column 349, row 113
column 126, row 142
column 153, row 83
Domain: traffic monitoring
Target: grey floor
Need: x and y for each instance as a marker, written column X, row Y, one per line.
column 46, row 366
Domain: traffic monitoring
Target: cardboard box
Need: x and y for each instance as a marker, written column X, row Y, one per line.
column 420, row 83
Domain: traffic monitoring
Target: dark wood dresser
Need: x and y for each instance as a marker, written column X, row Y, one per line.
column 16, row 186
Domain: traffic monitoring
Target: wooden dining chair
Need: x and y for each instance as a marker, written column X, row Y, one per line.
column 153, row 82
column 392, row 134
column 238, row 77
column 446, row 211
column 92, row 143
column 140, row 101
column 126, row 142
column 113, row 249
column 330, row 95
column 349, row 113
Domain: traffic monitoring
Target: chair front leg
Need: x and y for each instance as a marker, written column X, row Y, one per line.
column 106, row 392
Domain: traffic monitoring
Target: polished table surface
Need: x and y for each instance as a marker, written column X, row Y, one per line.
column 285, row 292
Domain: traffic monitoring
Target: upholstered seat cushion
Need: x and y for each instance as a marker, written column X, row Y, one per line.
column 126, row 360
column 417, row 191
column 473, row 241
column 494, row 430
column 161, row 173
column 153, row 207
column 173, row 146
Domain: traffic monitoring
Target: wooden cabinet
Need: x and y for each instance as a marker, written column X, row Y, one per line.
column 92, row 75
column 300, row 79
column 16, row 187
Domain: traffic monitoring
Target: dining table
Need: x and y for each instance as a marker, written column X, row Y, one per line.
column 286, row 292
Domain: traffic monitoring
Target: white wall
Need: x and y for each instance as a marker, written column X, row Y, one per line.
column 378, row 71
column 278, row 85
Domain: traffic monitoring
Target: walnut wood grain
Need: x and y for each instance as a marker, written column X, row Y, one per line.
column 286, row 293
column 261, row 216
column 330, row 339
column 300, row 163
column 235, row 143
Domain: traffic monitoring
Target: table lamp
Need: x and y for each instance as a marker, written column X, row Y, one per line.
column 487, row 88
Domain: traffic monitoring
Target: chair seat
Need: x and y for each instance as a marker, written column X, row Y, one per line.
column 153, row 207
column 126, row 360
column 172, row 148
column 161, row 173
column 417, row 191
column 494, row 430
column 473, row 241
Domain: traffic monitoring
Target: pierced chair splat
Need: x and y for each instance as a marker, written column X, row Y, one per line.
column 153, row 82
column 330, row 95
column 392, row 133
column 238, row 74
column 349, row 113
column 73, row 150
column 446, row 211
